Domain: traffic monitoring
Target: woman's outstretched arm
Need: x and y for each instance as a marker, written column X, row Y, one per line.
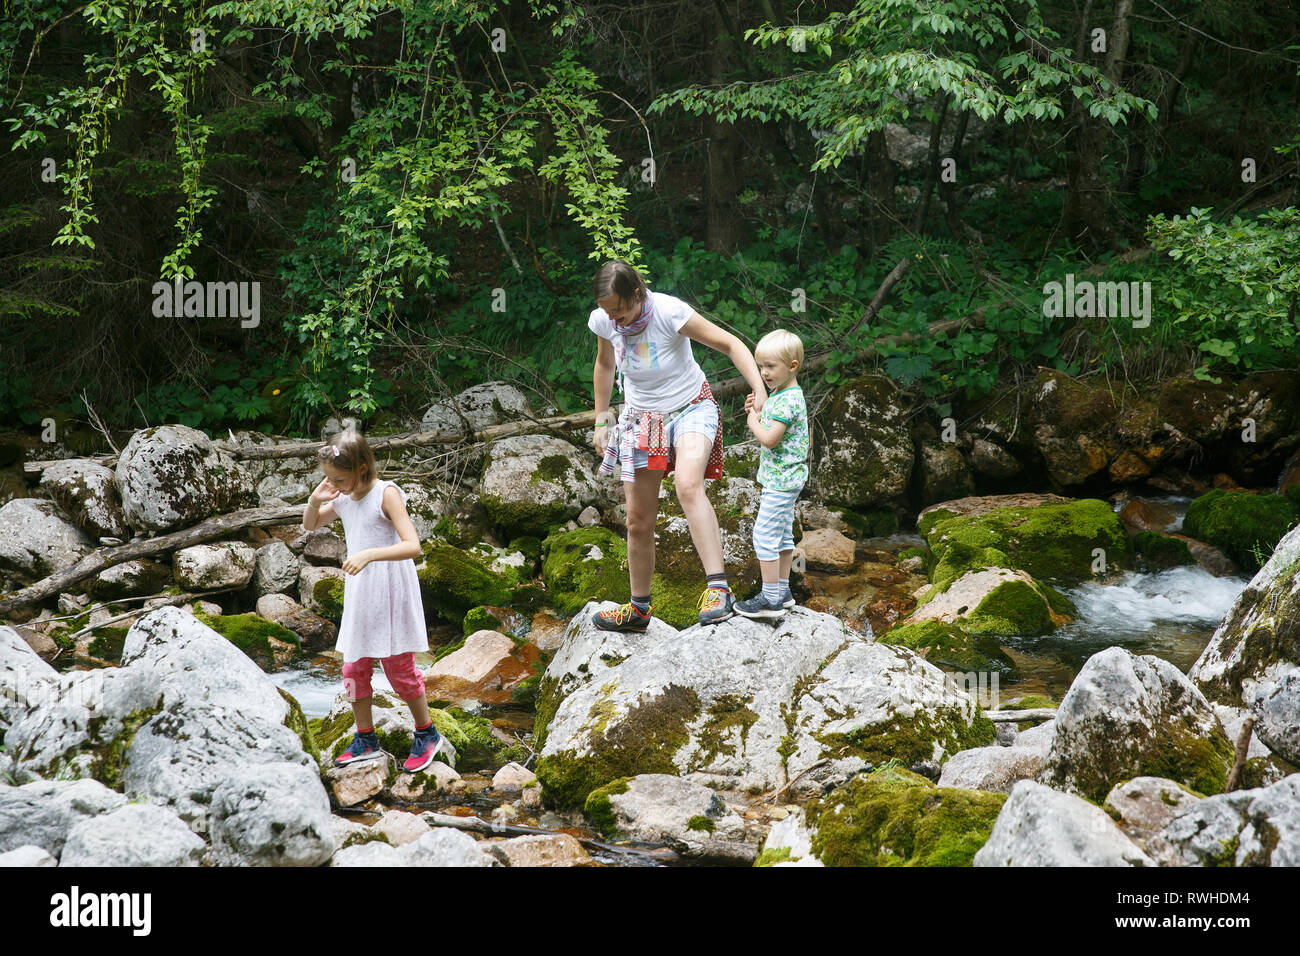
column 699, row 329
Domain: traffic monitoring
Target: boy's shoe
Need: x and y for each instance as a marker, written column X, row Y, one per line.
column 757, row 607
column 787, row 599
column 425, row 745
column 626, row 618
column 364, row 747
column 716, row 604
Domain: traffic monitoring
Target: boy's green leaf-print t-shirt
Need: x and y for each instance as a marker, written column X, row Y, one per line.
column 785, row 466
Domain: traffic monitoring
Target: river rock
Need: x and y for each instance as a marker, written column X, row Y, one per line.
column 1037, row 738
column 25, row 679
column 479, row 407
column 944, row 472
column 355, row 784
column 131, row 579
column 740, row 705
column 1131, row 716
column 1140, row 515
column 997, row 769
column 659, row 808
column 323, row 547
column 1039, row 826
column 86, row 492
column 1253, row 658
column 827, row 549
column 867, row 458
column 994, row 601
column 545, row 850
column 207, row 567
column 172, row 476
column 317, row 599
column 513, row 777
column 1209, row 557
column 1244, row 828
column 36, row 540
column 416, row 787
column 1148, row 803
column 401, row 828
column 271, row 814
column 138, row 834
column 314, row 632
column 476, row 667
column 276, row 570
column 27, row 856
column 426, row 507
column 975, row 505
column 531, row 483
column 44, row 812
column 287, row 487
column 440, row 847
column 789, row 843
column 991, row 460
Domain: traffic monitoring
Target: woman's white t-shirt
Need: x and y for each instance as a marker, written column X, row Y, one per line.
column 660, row 373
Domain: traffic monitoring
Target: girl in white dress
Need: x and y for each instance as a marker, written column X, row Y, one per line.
column 383, row 618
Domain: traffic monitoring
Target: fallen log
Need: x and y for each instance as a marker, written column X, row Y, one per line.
column 1015, row 716
column 105, row 558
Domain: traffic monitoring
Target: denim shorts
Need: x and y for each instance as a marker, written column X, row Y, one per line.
column 702, row 418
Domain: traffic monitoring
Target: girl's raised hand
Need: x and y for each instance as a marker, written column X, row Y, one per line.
column 324, row 492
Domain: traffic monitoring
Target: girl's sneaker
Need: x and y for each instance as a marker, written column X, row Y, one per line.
column 363, row 747
column 757, row 607
column 425, row 745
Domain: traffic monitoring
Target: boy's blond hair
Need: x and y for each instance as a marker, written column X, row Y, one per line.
column 780, row 344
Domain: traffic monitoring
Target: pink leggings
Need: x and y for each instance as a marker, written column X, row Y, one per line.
column 400, row 668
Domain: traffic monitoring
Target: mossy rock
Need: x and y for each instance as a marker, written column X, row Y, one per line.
column 526, row 691
column 643, row 741
column 948, row 645
column 868, row 456
column 453, row 581
column 480, row 619
column 299, row 724
column 871, row 523
column 529, row 545
column 911, row 740
column 896, row 818
column 1243, row 526
column 1017, row 608
column 328, row 594
column 108, row 642
column 925, row 554
column 476, row 746
column 587, row 564
column 678, row 580
column 1053, row 542
column 1030, row 702
column 251, row 633
column 1161, row 551
column 598, row 808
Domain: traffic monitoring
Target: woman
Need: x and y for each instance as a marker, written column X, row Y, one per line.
column 670, row 422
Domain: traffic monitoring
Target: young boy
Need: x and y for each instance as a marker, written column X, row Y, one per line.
column 782, row 430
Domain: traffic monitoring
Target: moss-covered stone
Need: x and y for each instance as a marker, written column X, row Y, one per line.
column 948, row 645
column 1243, row 526
column 108, row 757
column 525, row 692
column 587, row 564
column 528, row 545
column 480, row 619
column 701, row 824
column 108, row 642
column 251, row 633
column 725, row 728
column 1012, row 608
column 296, row 721
column 1030, row 702
column 925, row 554
column 911, row 740
column 328, row 595
column 896, row 818
column 453, row 581
column 598, row 808
column 1053, row 542
column 644, row 740
column 867, row 459
column 1160, row 551
column 773, row 855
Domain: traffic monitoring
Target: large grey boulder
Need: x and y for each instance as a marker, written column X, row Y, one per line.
column 27, row 856
column 36, row 540
column 663, row 809
column 531, row 483
column 172, row 476
column 1128, row 716
column 992, row 768
column 25, row 679
column 1039, row 826
column 478, row 407
column 1244, row 828
column 208, row 567
column 277, row 570
column 315, row 633
column 741, row 705
column 43, row 813
column 1253, row 658
column 867, row 457
column 87, row 493
column 440, row 847
column 1148, row 803
column 271, row 815
column 138, row 834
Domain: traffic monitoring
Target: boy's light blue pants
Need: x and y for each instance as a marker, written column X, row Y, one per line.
column 774, row 526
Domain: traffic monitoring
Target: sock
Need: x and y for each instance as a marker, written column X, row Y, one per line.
column 783, row 584
column 368, row 730
column 420, row 730
column 642, row 604
column 718, row 581
column 771, row 593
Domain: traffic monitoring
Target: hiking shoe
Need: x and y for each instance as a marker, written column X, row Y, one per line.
column 716, row 604
column 425, row 745
column 787, row 599
column 757, row 607
column 627, row 617
column 364, row 747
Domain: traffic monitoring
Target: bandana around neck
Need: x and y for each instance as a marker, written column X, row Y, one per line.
column 640, row 323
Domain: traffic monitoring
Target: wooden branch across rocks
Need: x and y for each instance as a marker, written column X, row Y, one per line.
column 104, row 558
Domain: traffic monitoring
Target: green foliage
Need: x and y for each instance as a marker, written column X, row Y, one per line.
column 1232, row 294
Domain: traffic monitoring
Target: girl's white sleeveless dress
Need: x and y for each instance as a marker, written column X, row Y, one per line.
column 382, row 612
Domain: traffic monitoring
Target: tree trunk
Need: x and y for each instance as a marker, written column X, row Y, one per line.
column 724, row 146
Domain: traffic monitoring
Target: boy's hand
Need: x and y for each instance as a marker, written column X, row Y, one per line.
column 749, row 402
column 324, row 492
column 356, row 562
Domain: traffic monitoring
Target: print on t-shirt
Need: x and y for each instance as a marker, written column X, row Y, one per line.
column 640, row 356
